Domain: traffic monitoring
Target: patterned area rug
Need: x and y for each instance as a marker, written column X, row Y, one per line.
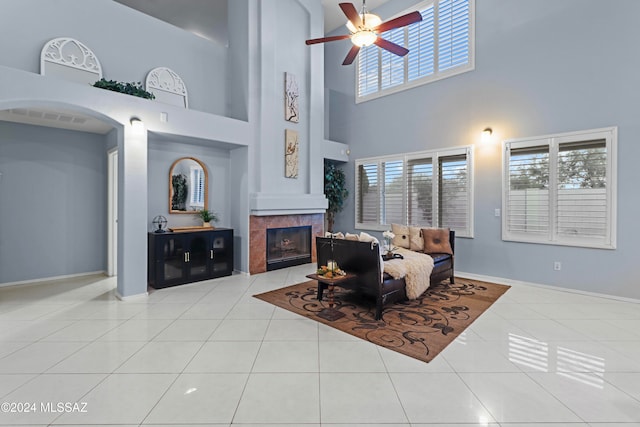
column 420, row 328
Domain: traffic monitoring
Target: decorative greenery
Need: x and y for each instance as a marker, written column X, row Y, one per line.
column 179, row 198
column 208, row 215
column 134, row 89
column 335, row 191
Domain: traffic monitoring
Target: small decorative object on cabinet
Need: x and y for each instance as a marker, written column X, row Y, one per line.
column 184, row 257
column 160, row 224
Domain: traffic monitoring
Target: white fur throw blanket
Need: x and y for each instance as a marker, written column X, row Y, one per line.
column 416, row 269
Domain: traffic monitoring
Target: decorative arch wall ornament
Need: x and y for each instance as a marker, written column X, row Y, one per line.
column 167, row 86
column 70, row 59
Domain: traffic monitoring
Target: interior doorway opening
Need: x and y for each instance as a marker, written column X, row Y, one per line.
column 112, row 207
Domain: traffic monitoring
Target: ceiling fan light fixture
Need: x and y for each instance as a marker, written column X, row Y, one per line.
column 364, row 38
column 369, row 22
column 365, row 29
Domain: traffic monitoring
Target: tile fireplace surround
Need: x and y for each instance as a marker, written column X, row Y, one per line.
column 258, row 231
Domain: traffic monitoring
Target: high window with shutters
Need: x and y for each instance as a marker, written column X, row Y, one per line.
column 428, row 188
column 560, row 189
column 441, row 45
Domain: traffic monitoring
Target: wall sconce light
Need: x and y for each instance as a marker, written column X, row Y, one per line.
column 486, row 134
column 137, row 126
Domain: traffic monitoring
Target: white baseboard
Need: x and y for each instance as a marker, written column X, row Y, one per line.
column 503, row 281
column 132, row 298
column 241, row 273
column 50, row 279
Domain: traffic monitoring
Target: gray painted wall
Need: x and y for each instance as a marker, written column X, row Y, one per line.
column 283, row 53
column 53, row 202
column 541, row 68
column 128, row 44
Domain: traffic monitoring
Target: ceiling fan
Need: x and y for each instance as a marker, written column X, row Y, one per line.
column 365, row 30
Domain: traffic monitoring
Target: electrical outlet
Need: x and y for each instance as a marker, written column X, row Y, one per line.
column 497, row 212
column 557, row 266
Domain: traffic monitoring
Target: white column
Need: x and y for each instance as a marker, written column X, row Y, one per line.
column 132, row 211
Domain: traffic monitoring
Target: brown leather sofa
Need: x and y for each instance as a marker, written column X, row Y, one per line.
column 363, row 259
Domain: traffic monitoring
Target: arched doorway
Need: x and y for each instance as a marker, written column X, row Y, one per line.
column 54, row 162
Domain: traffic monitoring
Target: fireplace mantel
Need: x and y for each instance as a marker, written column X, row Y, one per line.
column 263, row 204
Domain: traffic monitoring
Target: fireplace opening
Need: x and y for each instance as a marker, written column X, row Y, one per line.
column 288, row 246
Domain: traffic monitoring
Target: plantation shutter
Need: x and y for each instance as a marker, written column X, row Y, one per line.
column 392, row 65
column 197, row 187
column 454, row 193
column 368, row 202
column 528, row 197
column 582, row 195
column 393, row 195
column 368, row 60
column 441, row 45
column 453, row 33
column 421, row 56
column 420, row 192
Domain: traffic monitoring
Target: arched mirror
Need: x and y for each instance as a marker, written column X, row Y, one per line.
column 188, row 186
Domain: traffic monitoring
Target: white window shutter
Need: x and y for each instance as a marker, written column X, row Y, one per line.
column 368, row 202
column 428, row 188
column 439, row 46
column 582, row 195
column 421, row 56
column 368, row 61
column 393, row 196
column 453, row 33
column 197, row 190
column 420, row 192
column 392, row 65
column 560, row 189
column 528, row 198
column 454, row 193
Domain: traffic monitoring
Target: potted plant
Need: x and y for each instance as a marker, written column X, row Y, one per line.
column 207, row 216
column 335, row 190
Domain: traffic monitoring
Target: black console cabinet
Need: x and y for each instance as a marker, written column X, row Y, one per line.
column 184, row 257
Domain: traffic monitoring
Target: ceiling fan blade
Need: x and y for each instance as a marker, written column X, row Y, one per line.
column 391, row 47
column 400, row 21
column 351, row 55
column 327, row 39
column 352, row 14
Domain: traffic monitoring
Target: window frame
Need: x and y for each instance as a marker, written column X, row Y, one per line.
column 437, row 75
column 435, row 156
column 553, row 142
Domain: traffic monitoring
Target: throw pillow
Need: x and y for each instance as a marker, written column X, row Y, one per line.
column 401, row 238
column 366, row 237
column 337, row 235
column 436, row 241
column 416, row 242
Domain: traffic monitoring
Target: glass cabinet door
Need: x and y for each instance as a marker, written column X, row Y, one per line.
column 174, row 258
column 198, row 257
column 220, row 253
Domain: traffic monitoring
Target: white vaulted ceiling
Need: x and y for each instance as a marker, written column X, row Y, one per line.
column 208, row 18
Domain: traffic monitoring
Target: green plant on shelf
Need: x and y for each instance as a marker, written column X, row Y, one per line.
column 208, row 215
column 134, row 89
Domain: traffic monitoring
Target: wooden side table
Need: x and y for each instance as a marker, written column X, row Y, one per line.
column 330, row 313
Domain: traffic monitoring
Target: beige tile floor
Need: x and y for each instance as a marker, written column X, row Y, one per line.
column 209, row 354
